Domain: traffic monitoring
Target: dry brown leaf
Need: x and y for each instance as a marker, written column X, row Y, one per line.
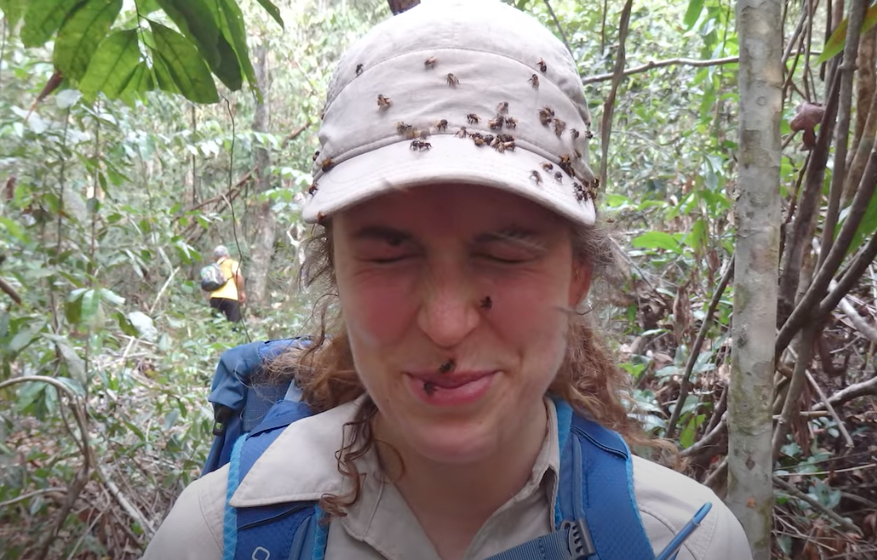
column 807, row 116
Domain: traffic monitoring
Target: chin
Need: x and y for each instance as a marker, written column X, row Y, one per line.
column 453, row 443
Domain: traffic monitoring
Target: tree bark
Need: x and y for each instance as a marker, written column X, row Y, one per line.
column 750, row 397
column 265, row 230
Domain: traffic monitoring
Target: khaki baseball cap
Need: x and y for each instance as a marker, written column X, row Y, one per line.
column 456, row 91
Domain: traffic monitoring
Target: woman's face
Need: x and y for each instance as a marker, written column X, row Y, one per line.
column 456, row 302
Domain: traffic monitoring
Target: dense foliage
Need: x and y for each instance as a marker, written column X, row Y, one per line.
column 129, row 147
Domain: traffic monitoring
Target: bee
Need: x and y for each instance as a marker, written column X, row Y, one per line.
column 546, row 114
column 403, row 128
column 542, row 66
column 473, row 118
column 574, row 133
column 442, row 124
column 579, row 191
column 558, row 176
column 453, row 81
column 321, row 218
column 547, row 166
column 462, row 132
column 315, row 156
column 322, row 114
column 511, row 122
column 503, row 107
column 596, row 182
column 429, row 388
column 565, row 164
column 420, row 145
column 486, row 303
column 589, row 134
column 503, row 146
column 327, row 164
column 422, row 134
column 489, row 140
column 447, row 367
column 430, row 62
column 559, row 127
column 505, row 138
column 534, row 79
column 313, row 189
column 384, row 102
column 590, row 192
column 479, row 140
column 496, row 124
column 359, row 69
column 536, row 176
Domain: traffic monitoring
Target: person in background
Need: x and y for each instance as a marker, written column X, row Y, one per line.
column 228, row 299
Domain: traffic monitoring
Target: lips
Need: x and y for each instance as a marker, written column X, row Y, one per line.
column 451, row 380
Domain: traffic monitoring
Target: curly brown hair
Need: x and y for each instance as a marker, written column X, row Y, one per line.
column 588, row 378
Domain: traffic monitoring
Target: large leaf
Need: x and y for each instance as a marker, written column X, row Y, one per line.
column 271, row 9
column 81, row 35
column 695, row 8
column 838, row 39
column 232, row 24
column 43, row 18
column 12, row 10
column 112, row 65
column 185, row 65
column 196, row 19
column 656, row 240
column 140, row 83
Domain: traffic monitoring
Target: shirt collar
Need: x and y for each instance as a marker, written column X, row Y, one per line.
column 300, row 466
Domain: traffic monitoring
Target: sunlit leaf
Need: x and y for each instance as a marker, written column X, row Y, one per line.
column 81, row 34
column 838, row 39
column 695, row 8
column 232, row 24
column 656, row 240
column 197, row 20
column 185, row 66
column 112, row 65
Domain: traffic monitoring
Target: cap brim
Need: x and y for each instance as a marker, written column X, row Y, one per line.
column 450, row 160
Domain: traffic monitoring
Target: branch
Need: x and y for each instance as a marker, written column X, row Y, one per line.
column 697, row 63
column 10, row 291
column 792, row 491
column 559, row 28
column 865, row 257
column 791, row 406
column 852, row 392
column 840, row 424
column 709, row 440
column 295, row 134
column 609, row 105
column 857, row 320
column 247, row 176
column 695, row 350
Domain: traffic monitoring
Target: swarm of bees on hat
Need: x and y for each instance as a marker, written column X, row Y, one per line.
column 500, row 141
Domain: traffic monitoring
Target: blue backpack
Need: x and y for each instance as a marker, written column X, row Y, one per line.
column 596, row 512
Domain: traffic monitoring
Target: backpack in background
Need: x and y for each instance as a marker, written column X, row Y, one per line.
column 212, row 278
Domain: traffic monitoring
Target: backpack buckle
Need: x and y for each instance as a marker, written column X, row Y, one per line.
column 581, row 546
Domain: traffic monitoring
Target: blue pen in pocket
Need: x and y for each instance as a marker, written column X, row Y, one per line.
column 672, row 549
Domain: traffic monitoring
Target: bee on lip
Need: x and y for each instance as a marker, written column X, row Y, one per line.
column 453, row 81
column 542, row 66
column 384, row 102
column 430, row 62
column 486, row 303
column 473, row 118
column 442, row 124
column 359, row 69
column 420, row 145
column 447, row 367
column 429, row 388
column 534, row 79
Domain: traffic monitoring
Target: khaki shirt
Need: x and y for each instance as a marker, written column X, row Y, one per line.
column 300, row 466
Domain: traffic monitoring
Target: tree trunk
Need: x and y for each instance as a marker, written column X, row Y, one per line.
column 750, row 489
column 265, row 232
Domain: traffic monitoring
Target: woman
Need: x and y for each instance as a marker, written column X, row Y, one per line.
column 458, row 234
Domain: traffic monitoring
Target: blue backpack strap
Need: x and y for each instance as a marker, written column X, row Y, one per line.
column 278, row 531
column 596, row 515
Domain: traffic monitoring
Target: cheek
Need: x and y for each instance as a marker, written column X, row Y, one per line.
column 376, row 307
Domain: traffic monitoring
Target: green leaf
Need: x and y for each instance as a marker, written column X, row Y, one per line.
column 695, row 8
column 141, row 81
column 656, row 240
column 111, row 296
column 43, row 18
column 866, row 228
column 112, row 65
column 232, row 24
column 271, row 9
column 125, row 324
column 81, row 35
column 185, row 65
column 838, row 39
column 197, row 20
column 12, row 10
column 90, row 305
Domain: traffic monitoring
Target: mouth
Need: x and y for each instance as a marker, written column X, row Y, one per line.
column 451, row 380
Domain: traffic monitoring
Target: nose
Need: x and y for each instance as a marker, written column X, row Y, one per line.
column 449, row 308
